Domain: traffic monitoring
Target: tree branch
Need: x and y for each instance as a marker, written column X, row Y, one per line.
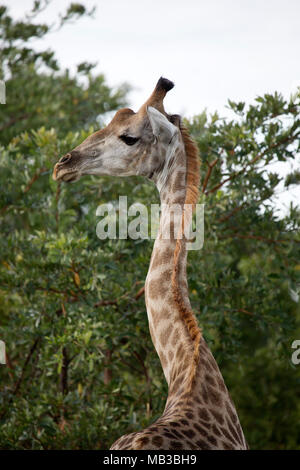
column 107, row 369
column 148, row 380
column 34, row 178
column 234, row 211
column 139, row 293
column 208, row 173
column 260, row 238
column 21, row 378
column 14, row 120
column 254, row 160
column 29, row 356
column 27, row 188
column 64, row 386
column 240, row 310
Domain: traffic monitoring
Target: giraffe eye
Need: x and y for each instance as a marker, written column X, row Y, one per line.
column 129, row 140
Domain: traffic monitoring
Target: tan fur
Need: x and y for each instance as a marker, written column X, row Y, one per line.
column 191, row 197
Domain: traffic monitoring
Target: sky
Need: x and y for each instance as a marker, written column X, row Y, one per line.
column 212, row 49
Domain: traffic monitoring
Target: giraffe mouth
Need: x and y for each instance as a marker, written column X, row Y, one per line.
column 70, row 177
column 65, row 176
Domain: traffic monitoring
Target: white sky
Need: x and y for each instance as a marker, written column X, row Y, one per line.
column 212, row 49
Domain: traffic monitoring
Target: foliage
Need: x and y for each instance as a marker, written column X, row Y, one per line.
column 38, row 92
column 250, row 263
column 81, row 368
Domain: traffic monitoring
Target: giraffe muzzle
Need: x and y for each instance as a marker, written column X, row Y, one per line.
column 62, row 170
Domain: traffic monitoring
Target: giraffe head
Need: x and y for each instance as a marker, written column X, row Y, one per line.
column 131, row 144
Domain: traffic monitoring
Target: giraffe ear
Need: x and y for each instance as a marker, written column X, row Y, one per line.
column 162, row 128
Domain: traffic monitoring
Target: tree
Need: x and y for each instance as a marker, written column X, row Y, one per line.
column 81, row 368
column 250, row 262
column 38, row 92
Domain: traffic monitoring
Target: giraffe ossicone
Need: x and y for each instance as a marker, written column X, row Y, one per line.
column 199, row 413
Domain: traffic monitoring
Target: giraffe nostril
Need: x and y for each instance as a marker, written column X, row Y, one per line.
column 65, row 158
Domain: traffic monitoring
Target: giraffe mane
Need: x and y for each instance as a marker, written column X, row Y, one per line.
column 193, row 167
column 191, row 197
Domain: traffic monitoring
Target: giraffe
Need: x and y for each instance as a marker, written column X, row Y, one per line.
column 199, row 413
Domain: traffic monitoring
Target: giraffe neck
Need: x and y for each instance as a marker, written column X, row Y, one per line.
column 166, row 289
column 198, row 406
column 194, row 378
